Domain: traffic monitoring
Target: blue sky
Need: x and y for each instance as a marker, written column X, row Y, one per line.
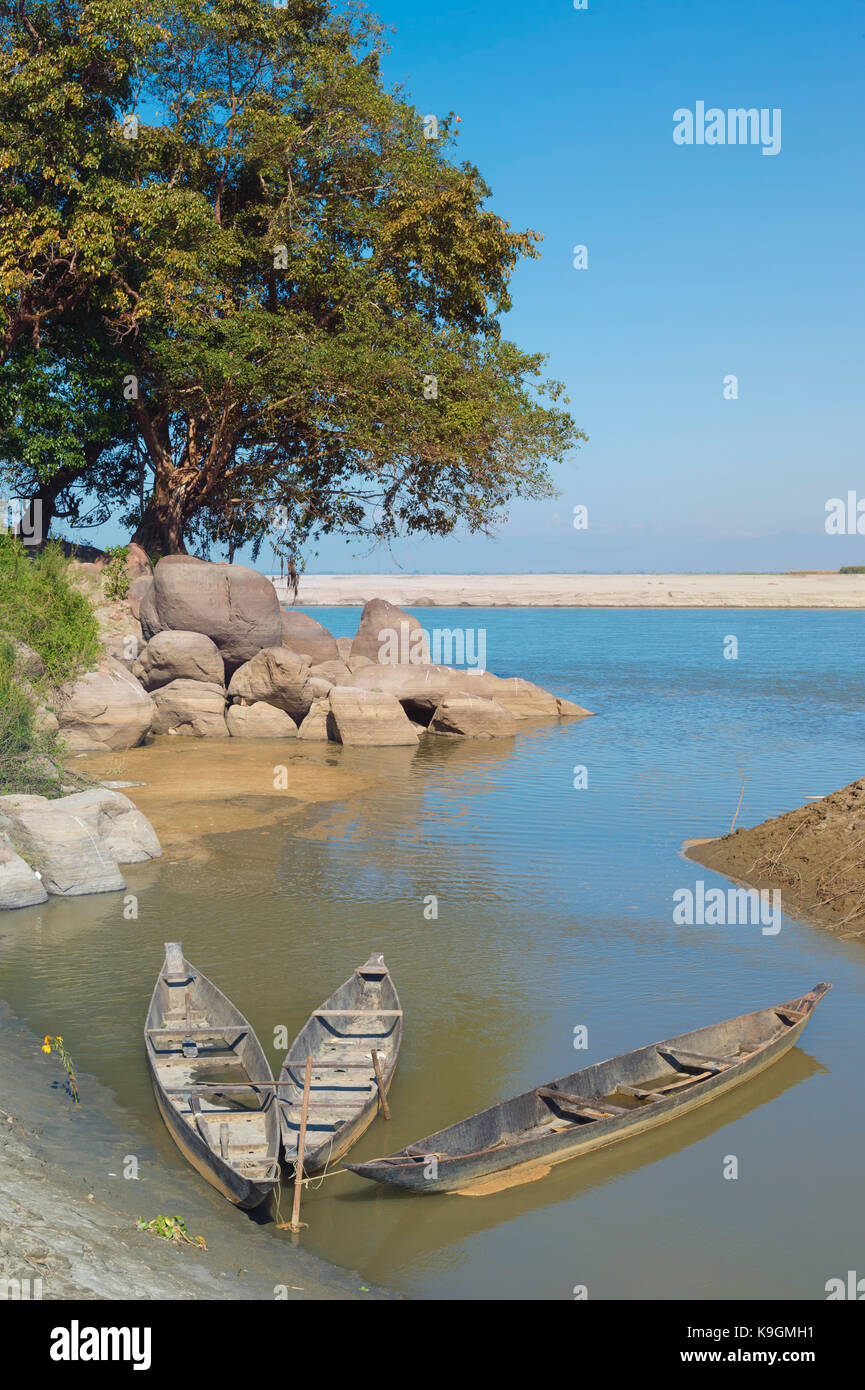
column 704, row 261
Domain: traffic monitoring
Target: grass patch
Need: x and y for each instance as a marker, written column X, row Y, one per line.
column 39, row 606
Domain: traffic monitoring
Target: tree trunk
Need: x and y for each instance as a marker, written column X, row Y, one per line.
column 160, row 532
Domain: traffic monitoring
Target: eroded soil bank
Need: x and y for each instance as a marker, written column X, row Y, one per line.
column 815, row 855
column 68, row 1215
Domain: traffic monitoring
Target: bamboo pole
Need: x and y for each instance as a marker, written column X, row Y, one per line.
column 295, row 1224
column 379, row 1078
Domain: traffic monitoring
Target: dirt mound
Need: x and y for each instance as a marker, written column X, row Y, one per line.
column 815, row 855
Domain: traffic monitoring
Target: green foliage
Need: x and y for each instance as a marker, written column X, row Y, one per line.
column 39, row 606
column 279, row 261
column 115, row 575
column 27, row 753
column 852, row 569
column 171, row 1228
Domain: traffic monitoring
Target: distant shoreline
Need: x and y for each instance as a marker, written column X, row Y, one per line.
column 816, row 589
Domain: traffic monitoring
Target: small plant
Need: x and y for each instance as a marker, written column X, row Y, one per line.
column 171, row 1228
column 115, row 576
column 852, row 569
column 56, row 1044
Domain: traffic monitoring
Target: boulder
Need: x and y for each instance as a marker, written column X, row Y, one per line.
column 307, row 637
column 367, row 718
column 105, row 709
column 171, row 656
column 192, row 708
column 236, row 607
column 66, row 849
column 568, row 710
column 137, row 563
column 278, row 676
column 125, row 832
column 419, row 689
column 259, row 720
column 343, row 647
column 317, row 687
column 473, row 717
column 522, row 698
column 125, row 646
column 314, row 726
column 389, row 636
column 20, row 886
column 335, row 672
column 138, row 590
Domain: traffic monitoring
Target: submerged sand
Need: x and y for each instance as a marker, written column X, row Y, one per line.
column 815, row 855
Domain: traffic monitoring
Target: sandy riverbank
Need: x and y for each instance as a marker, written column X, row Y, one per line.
column 806, row 590
column 815, row 855
column 68, row 1216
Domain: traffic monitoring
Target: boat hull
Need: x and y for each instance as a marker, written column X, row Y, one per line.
column 458, row 1160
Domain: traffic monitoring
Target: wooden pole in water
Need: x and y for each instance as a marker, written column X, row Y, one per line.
column 380, row 1080
column 295, row 1224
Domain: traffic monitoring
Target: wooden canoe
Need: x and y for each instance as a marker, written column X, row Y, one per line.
column 599, row 1105
column 203, row 1055
column 362, row 1015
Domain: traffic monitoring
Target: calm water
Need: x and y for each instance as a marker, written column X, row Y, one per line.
column 554, row 910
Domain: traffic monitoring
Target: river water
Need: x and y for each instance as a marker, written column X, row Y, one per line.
column 554, row 910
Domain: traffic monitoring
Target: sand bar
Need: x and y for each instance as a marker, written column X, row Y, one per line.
column 815, row 589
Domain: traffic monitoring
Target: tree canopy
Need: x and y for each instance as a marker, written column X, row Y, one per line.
column 242, row 294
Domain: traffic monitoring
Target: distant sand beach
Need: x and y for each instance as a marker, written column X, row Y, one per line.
column 811, row 589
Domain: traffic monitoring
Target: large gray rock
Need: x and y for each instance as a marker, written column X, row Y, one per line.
column 473, row 717
column 126, row 833
column 308, row 637
column 191, row 708
column 334, row 672
column 278, row 676
column 314, row 727
column 138, row 591
column 171, row 656
column 20, row 886
column 233, row 605
column 104, row 709
column 67, row 850
column 259, row 720
column 389, row 636
column 419, row 689
column 368, row 718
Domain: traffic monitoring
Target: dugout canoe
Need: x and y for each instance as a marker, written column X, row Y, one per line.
column 523, row 1138
column 213, row 1084
column 363, row 1015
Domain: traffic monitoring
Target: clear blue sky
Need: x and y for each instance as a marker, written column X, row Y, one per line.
column 704, row 261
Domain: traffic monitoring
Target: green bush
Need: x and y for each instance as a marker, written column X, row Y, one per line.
column 852, row 569
column 26, row 752
column 39, row 606
column 115, row 576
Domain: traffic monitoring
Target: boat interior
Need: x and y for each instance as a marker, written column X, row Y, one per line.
column 201, row 1066
column 361, row 1016
column 612, row 1089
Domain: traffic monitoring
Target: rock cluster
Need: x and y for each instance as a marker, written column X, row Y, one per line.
column 221, row 658
column 69, row 846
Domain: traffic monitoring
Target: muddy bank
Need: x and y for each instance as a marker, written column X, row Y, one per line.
column 815, row 855
column 68, row 1215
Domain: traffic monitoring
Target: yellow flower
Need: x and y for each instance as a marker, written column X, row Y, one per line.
column 59, row 1039
column 46, row 1047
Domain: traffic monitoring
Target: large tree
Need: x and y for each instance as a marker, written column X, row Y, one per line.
column 300, row 294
